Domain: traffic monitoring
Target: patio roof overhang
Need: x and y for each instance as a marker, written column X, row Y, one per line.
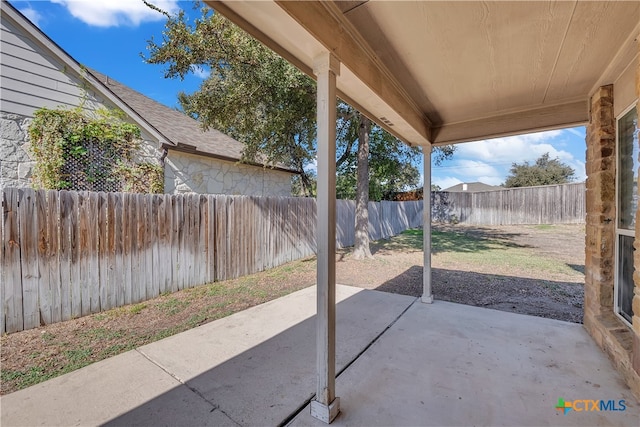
column 435, row 73
column 445, row 72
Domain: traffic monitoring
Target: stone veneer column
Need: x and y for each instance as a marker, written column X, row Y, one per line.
column 636, row 257
column 601, row 208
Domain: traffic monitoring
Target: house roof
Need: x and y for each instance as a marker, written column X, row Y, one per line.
column 471, row 187
column 444, row 72
column 183, row 132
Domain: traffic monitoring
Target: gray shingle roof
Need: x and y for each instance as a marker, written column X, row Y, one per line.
column 181, row 130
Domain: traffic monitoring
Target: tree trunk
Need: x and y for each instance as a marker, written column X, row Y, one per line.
column 361, row 249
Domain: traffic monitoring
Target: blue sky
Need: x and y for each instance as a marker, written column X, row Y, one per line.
column 110, row 35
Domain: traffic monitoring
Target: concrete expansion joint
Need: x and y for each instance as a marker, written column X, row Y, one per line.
column 377, row 337
column 214, row 406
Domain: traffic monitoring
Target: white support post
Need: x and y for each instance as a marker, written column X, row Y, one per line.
column 427, row 295
column 326, row 405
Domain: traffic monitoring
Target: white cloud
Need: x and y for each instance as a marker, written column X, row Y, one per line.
column 473, row 168
column 446, row 182
column 491, row 180
column 512, row 148
column 113, row 13
column 32, row 14
column 312, row 167
column 200, row 72
column 489, row 161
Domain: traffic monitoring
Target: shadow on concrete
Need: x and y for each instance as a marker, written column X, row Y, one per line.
column 272, row 381
column 577, row 267
column 535, row 297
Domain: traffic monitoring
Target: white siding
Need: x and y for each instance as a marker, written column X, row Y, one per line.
column 30, row 78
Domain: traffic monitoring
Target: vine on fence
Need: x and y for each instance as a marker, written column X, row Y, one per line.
column 77, row 152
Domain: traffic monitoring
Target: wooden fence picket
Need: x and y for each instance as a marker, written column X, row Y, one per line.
column 105, row 265
column 44, row 282
column 28, row 229
column 52, row 257
column 11, row 262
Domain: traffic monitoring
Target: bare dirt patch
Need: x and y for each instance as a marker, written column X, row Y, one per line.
column 535, row 270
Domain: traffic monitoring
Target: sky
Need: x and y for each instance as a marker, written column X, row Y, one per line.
column 111, row 35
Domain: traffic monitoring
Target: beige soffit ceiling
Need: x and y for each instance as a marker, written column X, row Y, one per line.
column 454, row 71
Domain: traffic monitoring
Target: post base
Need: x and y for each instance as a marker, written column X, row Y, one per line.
column 325, row 413
column 427, row 299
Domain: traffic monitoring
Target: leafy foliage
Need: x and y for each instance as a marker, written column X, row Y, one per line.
column 252, row 94
column 70, row 147
column 544, row 171
column 143, row 177
column 391, row 162
column 257, row 97
column 391, row 167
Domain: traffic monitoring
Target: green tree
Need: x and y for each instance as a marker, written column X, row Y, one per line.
column 252, row 94
column 544, row 171
column 257, row 97
column 391, row 167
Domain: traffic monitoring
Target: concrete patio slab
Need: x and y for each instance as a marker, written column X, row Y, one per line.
column 256, row 367
column 447, row 364
column 400, row 362
column 105, row 390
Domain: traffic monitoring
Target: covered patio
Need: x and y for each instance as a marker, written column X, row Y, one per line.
column 400, row 362
column 431, row 73
column 435, row 73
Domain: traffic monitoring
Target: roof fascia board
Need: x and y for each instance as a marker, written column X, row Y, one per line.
column 190, row 149
column 342, row 43
column 559, row 116
column 38, row 35
column 327, row 24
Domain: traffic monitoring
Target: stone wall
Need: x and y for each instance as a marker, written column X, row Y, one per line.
column 183, row 172
column 601, row 204
column 15, row 164
column 615, row 338
column 191, row 173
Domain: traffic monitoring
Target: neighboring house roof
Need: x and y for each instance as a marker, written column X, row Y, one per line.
column 471, row 187
column 182, row 131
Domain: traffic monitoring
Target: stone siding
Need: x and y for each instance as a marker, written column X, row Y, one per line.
column 601, row 203
column 205, row 175
column 15, row 163
column 615, row 338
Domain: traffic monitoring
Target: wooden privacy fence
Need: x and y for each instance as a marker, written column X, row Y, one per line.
column 69, row 254
column 549, row 204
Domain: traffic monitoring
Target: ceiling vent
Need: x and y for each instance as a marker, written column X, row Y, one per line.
column 386, row 121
